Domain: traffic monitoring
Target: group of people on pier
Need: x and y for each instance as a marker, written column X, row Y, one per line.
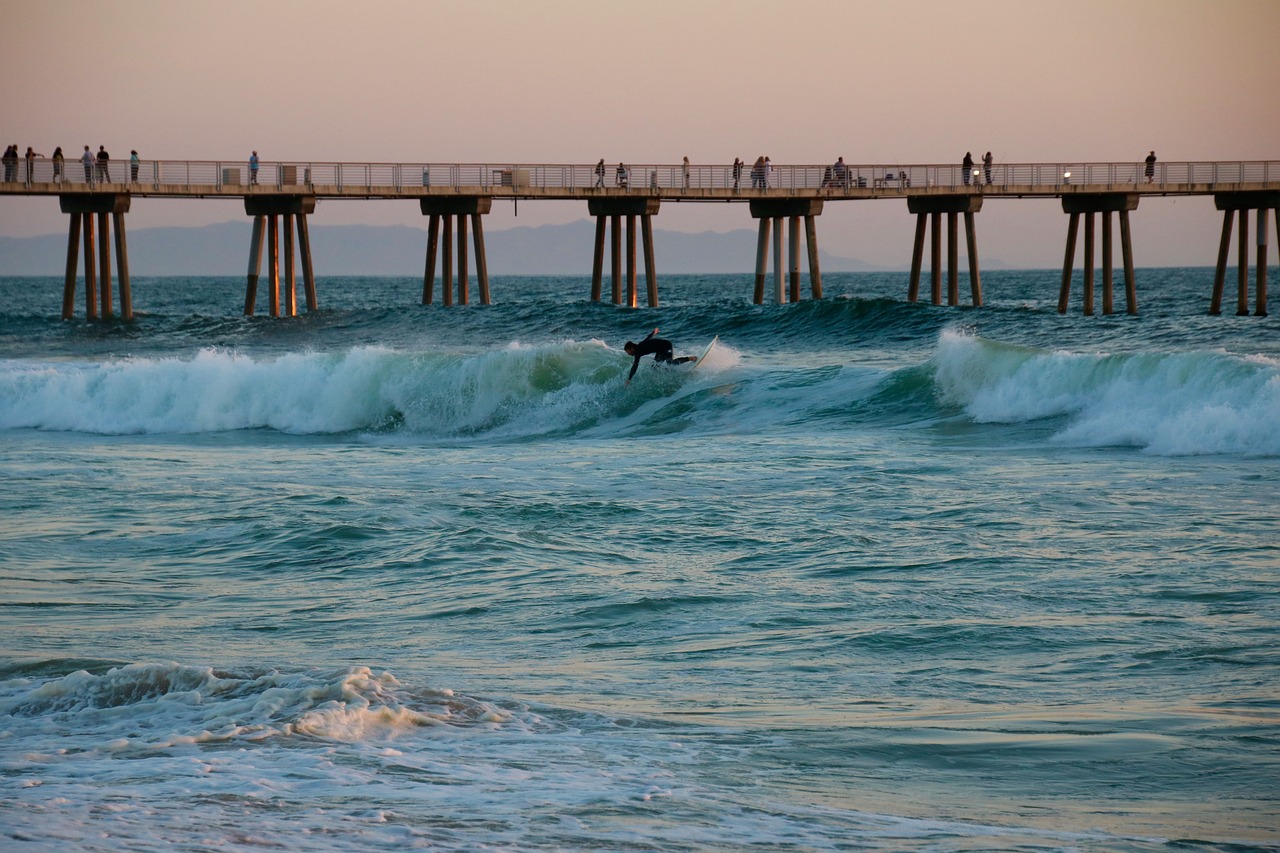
column 97, row 167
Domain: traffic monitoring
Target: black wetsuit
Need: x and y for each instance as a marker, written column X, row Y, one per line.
column 659, row 348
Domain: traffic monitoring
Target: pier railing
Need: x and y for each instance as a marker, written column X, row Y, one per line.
column 235, row 177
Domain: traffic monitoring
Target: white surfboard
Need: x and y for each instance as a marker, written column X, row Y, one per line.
column 707, row 351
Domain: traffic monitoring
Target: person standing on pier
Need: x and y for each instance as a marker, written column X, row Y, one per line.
column 87, row 159
column 58, row 160
column 104, row 164
column 768, row 172
column 253, row 168
column 1151, row 166
column 621, row 176
column 686, row 173
column 600, row 173
column 737, row 174
column 10, row 162
column 134, row 163
column 967, row 165
column 986, row 165
column 31, row 164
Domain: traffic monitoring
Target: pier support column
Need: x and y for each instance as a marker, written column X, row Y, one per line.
column 273, row 263
column 104, row 266
column 82, row 212
column 793, row 260
column 1264, row 202
column 308, row 271
column 771, row 213
column 455, row 209
column 1087, row 204
column 433, row 247
column 255, row 264
column 631, row 261
column 815, row 272
column 779, row 292
column 928, row 211
column 609, row 212
column 268, row 211
column 446, row 262
column 290, row 275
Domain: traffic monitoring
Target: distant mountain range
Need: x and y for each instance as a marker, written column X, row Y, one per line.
column 401, row 250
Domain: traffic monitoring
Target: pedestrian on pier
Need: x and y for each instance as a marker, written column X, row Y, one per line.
column 840, row 173
column 600, row 173
column 768, row 172
column 32, row 154
column 253, row 168
column 757, row 172
column 1151, row 167
column 737, row 174
column 134, row 163
column 621, row 176
column 686, row 173
column 986, row 165
column 58, row 160
column 967, row 165
column 10, row 162
column 87, row 159
column 104, row 164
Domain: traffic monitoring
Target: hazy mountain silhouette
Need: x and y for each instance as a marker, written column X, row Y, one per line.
column 223, row 249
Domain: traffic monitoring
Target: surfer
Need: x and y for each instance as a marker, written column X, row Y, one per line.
column 659, row 348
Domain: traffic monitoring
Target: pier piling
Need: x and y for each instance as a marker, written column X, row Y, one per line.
column 928, row 211
column 82, row 212
column 1087, row 204
column 610, row 212
column 771, row 213
column 449, row 210
column 1238, row 205
column 270, row 213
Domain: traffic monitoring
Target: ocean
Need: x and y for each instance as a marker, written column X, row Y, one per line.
column 875, row 576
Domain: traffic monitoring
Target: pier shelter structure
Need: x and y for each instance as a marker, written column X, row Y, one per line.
column 458, row 195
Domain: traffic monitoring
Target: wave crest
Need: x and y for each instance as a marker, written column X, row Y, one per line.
column 1165, row 403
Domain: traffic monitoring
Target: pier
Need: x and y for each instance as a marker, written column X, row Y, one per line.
column 454, row 196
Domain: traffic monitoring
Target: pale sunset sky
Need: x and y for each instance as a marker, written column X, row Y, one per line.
column 571, row 81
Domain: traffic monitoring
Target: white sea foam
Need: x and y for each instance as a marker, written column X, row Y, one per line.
column 163, row 755
column 1166, row 403
column 511, row 392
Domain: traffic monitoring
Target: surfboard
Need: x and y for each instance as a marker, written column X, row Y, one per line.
column 707, row 351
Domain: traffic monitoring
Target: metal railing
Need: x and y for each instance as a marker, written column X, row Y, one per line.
column 238, row 177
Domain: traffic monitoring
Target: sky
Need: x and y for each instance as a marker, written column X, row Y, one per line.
column 571, row 81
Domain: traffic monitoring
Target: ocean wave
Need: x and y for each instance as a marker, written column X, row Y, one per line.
column 363, row 388
column 153, row 706
column 1167, row 403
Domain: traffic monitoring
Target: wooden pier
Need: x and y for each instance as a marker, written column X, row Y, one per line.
column 461, row 194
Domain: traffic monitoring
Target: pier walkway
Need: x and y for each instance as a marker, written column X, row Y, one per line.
column 459, row 193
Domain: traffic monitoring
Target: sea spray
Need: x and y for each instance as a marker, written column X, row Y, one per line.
column 1180, row 403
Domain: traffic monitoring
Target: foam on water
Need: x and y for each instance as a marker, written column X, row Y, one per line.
column 1182, row 403
column 327, row 760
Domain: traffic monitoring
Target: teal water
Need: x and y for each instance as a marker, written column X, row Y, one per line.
column 875, row 576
